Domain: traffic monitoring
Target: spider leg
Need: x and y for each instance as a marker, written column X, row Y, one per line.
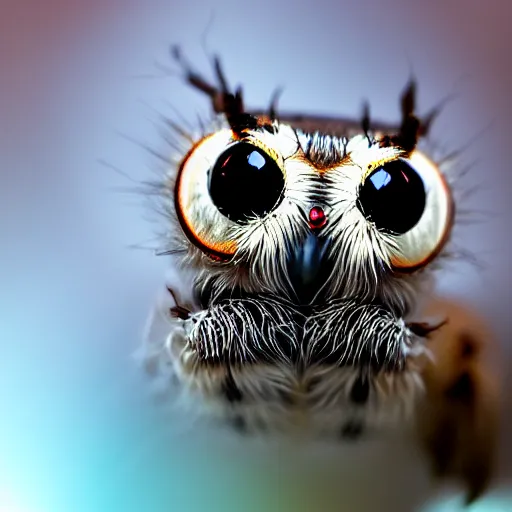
column 462, row 401
column 223, row 100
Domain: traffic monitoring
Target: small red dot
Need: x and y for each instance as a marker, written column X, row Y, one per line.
column 317, row 218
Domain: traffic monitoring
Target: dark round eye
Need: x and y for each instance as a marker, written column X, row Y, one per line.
column 393, row 197
column 245, row 182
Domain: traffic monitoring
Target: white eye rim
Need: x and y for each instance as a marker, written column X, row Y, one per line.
column 192, row 198
column 422, row 243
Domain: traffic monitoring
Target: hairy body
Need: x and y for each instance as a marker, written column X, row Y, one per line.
column 299, row 305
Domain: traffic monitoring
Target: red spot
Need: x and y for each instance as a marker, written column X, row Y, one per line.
column 317, row 218
column 226, row 161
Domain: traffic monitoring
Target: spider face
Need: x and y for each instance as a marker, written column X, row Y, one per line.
column 311, row 217
column 308, row 249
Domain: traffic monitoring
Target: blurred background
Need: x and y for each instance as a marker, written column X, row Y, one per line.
column 78, row 432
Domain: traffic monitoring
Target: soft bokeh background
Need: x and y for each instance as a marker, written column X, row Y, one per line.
column 77, row 431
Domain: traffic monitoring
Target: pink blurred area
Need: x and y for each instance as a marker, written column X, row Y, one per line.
column 32, row 37
column 34, row 34
column 35, row 39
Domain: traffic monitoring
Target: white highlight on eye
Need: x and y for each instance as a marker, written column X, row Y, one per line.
column 256, row 160
column 381, row 179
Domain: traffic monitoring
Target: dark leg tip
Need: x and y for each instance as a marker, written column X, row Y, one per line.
column 360, row 391
column 231, row 391
column 352, row 430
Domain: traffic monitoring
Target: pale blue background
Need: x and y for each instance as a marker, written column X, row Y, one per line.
column 77, row 432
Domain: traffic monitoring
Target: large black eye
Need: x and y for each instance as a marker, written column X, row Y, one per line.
column 393, row 197
column 245, row 182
